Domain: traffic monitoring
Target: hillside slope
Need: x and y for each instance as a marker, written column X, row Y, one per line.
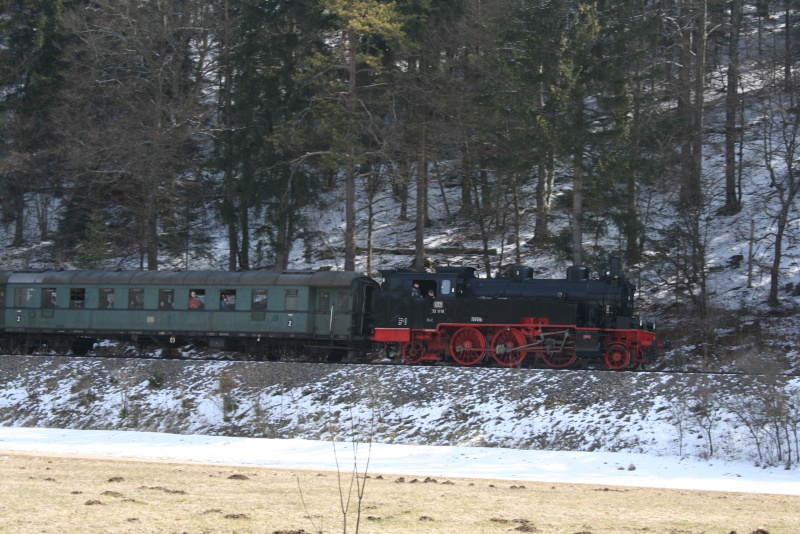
column 654, row 413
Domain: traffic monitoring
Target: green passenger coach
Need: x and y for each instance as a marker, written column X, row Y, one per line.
column 262, row 313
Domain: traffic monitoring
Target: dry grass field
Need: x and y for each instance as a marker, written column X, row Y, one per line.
column 56, row 494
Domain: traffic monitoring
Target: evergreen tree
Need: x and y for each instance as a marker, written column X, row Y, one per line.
column 30, row 76
column 132, row 108
column 346, row 77
column 94, row 249
column 262, row 137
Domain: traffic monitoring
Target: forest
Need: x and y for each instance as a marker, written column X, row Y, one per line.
column 136, row 131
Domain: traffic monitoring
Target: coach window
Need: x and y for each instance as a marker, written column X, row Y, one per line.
column 324, row 301
column 290, row 303
column 136, row 298
column 166, row 299
column 49, row 297
column 258, row 302
column 197, row 299
column 106, row 298
column 342, row 301
column 23, row 296
column 227, row 299
column 2, row 297
column 77, row 297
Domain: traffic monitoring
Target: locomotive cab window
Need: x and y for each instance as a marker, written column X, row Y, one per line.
column 258, row 302
column 447, row 288
column 77, row 297
column 166, row 299
column 136, row 298
column 106, row 298
column 423, row 289
column 197, row 299
column 227, row 299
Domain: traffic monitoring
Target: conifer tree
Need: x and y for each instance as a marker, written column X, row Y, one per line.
column 348, row 72
column 30, row 75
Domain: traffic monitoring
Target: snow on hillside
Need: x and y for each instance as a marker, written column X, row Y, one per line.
column 653, row 413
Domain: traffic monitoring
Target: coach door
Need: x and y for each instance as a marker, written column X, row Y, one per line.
column 332, row 316
column 341, row 318
column 324, row 313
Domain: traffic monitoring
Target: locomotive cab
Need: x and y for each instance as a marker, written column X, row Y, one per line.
column 412, row 299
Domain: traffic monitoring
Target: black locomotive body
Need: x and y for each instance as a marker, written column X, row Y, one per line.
column 462, row 317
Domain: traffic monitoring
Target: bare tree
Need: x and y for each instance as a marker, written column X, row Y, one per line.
column 679, row 416
column 748, row 409
column 780, row 149
column 691, row 19
column 705, row 412
column 133, row 106
column 732, row 102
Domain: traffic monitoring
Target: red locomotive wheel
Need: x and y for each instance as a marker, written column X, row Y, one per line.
column 413, row 352
column 505, row 347
column 618, row 357
column 467, row 346
column 560, row 360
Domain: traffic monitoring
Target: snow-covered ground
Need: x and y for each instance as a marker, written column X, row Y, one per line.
column 601, row 468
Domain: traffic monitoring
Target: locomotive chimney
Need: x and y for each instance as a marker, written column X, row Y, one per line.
column 576, row 273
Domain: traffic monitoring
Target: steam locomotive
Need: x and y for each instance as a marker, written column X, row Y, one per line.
column 513, row 320
column 450, row 315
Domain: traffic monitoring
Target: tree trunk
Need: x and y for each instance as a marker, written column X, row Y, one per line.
column 696, row 179
column 684, row 107
column 545, row 183
column 732, row 204
column 422, row 194
column 777, row 255
column 350, row 173
column 577, row 206
column 244, row 249
column 151, row 224
column 228, row 210
column 19, row 219
column 282, row 240
column 788, row 58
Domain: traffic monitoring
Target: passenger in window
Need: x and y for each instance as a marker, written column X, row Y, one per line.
column 431, row 294
column 224, row 303
column 415, row 291
column 194, row 302
column 164, row 305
